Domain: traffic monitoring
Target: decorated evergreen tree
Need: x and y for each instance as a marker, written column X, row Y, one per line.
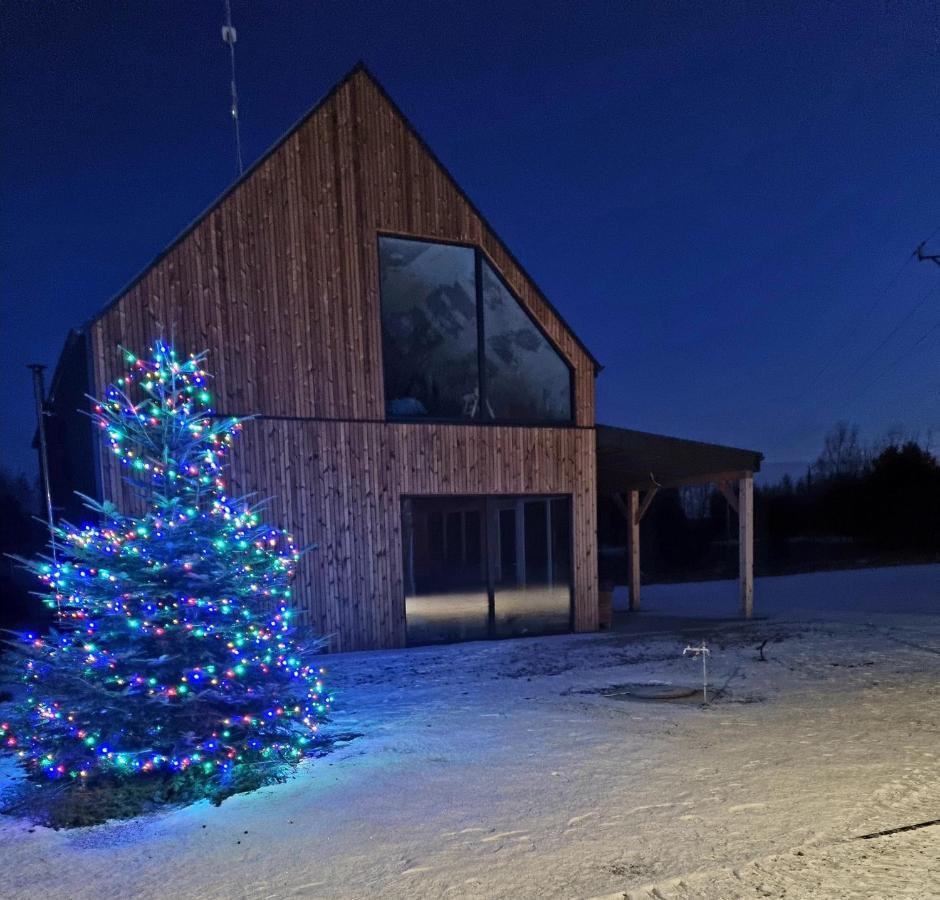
column 174, row 651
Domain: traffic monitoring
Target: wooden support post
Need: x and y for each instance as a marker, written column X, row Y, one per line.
column 746, row 543
column 633, row 548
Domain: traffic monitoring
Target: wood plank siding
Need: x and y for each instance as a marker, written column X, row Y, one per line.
column 280, row 282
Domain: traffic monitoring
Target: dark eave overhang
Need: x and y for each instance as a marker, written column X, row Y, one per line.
column 630, row 460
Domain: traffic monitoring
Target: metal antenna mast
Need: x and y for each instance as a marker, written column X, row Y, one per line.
column 39, row 390
column 229, row 36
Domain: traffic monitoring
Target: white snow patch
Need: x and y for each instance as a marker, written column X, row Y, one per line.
column 498, row 770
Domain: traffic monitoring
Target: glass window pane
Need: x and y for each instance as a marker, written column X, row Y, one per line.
column 533, row 581
column 536, row 542
column 473, row 536
column 561, row 540
column 429, row 329
column 445, row 577
column 526, row 379
column 453, row 538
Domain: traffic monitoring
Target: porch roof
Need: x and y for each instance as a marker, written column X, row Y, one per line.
column 630, row 460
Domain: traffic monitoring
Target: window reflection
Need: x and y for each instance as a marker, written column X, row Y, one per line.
column 526, row 379
column 533, row 576
column 455, row 547
column 433, row 306
column 429, row 329
column 445, row 578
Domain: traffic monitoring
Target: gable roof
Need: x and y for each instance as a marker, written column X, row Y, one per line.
column 359, row 69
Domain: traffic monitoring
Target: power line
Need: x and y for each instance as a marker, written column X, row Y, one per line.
column 859, row 321
column 918, row 254
column 887, row 338
column 812, row 387
column 894, row 363
column 853, row 398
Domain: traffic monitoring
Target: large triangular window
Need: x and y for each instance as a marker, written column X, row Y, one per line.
column 458, row 345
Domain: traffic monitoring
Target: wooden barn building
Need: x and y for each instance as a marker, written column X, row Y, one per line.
column 423, row 414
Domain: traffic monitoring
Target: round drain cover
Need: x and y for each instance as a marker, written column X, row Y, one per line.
column 652, row 692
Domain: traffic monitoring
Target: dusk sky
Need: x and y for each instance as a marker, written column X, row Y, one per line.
column 721, row 199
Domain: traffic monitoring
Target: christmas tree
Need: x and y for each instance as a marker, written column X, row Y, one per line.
column 173, row 653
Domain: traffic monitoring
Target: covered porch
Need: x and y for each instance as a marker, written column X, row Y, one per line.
column 633, row 466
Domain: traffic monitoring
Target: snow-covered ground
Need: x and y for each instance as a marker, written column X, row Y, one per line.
column 497, row 770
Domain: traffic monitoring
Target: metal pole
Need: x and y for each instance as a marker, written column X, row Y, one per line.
column 702, row 651
column 230, row 36
column 39, row 389
column 704, row 674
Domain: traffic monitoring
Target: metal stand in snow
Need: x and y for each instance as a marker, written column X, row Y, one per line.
column 702, row 651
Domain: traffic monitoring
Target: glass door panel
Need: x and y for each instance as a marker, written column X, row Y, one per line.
column 533, row 596
column 478, row 567
column 446, row 597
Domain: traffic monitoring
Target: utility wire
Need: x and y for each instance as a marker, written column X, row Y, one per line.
column 865, row 315
column 812, row 387
column 887, row 338
column 853, row 398
column 859, row 321
column 921, row 256
column 894, row 363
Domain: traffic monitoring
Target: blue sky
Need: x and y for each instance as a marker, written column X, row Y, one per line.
column 722, row 199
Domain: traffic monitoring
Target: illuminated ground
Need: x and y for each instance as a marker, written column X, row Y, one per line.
column 497, row 770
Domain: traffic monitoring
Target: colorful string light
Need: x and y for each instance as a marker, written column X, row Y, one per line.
column 175, row 649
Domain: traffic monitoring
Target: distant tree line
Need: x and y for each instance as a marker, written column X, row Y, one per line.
column 884, row 498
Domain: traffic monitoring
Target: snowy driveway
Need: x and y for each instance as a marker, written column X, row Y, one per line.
column 496, row 770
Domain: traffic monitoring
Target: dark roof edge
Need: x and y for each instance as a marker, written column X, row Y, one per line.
column 358, row 67
column 668, row 437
